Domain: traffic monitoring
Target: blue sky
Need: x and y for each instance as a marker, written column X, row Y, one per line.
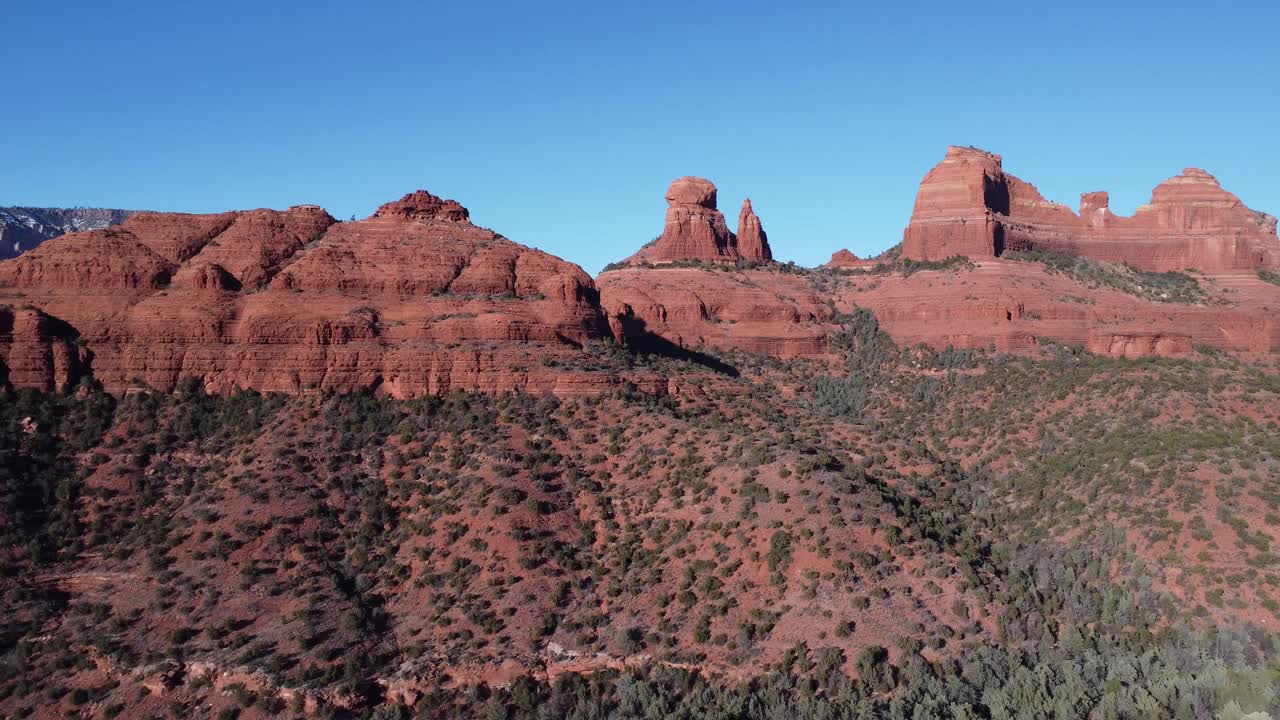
column 560, row 126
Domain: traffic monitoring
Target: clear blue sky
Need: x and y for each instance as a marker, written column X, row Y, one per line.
column 560, row 127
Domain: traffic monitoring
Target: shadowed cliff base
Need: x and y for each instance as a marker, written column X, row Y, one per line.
column 640, row 339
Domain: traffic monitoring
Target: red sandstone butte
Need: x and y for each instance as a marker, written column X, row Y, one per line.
column 967, row 205
column 696, row 230
column 845, row 259
column 414, row 300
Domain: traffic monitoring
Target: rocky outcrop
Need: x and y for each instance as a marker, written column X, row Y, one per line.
column 691, row 308
column 24, row 228
column 967, row 205
column 753, row 243
column 257, row 243
column 177, row 236
column 843, row 259
column 148, row 248
column 696, row 230
column 413, row 300
column 422, row 205
column 1139, row 344
column 93, row 261
column 37, row 350
column 651, row 305
column 1011, row 305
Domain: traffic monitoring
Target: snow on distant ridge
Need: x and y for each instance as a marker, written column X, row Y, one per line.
column 24, row 228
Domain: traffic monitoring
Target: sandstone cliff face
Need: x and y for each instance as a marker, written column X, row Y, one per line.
column 753, row 310
column 414, row 300
column 1009, row 305
column 1001, row 304
column 1135, row 345
column 257, row 243
column 967, row 205
column 37, row 351
column 696, row 230
column 177, row 236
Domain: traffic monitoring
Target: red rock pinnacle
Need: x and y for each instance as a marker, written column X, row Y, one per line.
column 696, row 230
column 753, row 243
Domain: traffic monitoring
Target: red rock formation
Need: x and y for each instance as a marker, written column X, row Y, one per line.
column 753, row 243
column 413, row 300
column 177, row 236
column 145, row 250
column 690, row 307
column 422, row 205
column 756, row 310
column 696, row 230
column 1095, row 207
column 968, row 205
column 205, row 276
column 956, row 208
column 253, row 247
column 37, row 350
column 1134, row 345
column 842, row 258
column 416, row 300
column 847, row 260
column 110, row 259
column 1008, row 305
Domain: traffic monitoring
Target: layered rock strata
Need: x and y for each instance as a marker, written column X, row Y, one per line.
column 968, row 205
column 696, row 230
column 413, row 300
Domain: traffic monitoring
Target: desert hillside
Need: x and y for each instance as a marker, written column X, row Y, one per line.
column 265, row 463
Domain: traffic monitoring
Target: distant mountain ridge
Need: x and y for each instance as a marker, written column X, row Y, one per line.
column 23, row 228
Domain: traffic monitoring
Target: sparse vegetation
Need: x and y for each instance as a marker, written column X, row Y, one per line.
column 1063, row 535
column 1168, row 287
